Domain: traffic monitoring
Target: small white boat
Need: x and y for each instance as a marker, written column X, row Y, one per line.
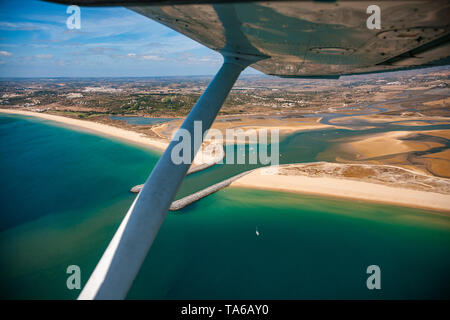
column 257, row 232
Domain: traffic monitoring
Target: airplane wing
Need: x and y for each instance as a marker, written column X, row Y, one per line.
column 310, row 38
column 287, row 39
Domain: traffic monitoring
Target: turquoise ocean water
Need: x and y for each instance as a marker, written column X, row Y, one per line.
column 63, row 194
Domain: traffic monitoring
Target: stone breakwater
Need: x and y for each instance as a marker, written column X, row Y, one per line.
column 183, row 202
column 200, row 167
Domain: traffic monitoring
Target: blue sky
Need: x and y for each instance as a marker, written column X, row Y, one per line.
column 35, row 42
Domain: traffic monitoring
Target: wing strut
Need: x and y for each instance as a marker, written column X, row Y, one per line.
column 122, row 259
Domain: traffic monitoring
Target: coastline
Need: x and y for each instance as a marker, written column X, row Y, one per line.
column 201, row 161
column 322, row 186
column 97, row 128
column 346, row 189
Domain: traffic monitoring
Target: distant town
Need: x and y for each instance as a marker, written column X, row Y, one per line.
column 97, row 98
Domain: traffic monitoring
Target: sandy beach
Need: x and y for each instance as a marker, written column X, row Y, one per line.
column 407, row 149
column 98, row 128
column 398, row 120
column 346, row 188
column 128, row 136
column 387, row 143
column 246, row 122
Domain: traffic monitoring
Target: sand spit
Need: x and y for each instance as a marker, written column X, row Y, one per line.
column 378, row 183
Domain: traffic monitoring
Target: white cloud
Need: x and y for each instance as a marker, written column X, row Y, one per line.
column 5, row 54
column 44, row 56
column 190, row 58
column 153, row 58
column 24, row 26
